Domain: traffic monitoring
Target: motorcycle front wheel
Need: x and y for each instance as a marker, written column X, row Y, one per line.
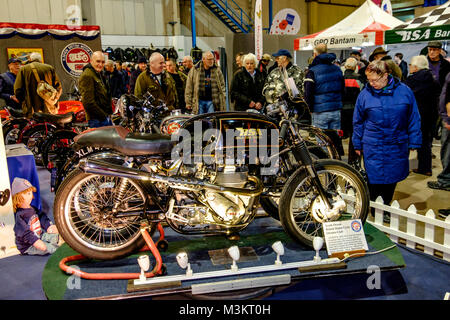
column 302, row 211
column 270, row 203
column 92, row 213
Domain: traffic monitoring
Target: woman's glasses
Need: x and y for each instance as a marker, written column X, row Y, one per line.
column 375, row 80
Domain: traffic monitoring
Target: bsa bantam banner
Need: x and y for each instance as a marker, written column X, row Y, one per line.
column 418, row 34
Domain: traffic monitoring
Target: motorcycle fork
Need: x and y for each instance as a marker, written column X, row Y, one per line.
column 302, row 155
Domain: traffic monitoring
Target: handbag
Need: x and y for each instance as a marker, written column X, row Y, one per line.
column 357, row 166
column 47, row 92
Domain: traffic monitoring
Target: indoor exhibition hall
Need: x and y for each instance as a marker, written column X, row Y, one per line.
column 228, row 157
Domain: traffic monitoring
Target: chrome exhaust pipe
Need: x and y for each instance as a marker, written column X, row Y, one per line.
column 108, row 169
column 176, row 182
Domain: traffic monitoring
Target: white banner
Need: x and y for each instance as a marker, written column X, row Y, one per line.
column 347, row 41
column 258, row 30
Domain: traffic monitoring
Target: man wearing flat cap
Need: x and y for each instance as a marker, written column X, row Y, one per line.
column 438, row 65
column 275, row 85
column 7, row 80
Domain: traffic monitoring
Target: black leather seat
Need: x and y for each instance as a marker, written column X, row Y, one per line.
column 129, row 143
column 60, row 119
column 14, row 112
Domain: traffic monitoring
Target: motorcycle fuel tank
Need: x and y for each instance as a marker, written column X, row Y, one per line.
column 234, row 136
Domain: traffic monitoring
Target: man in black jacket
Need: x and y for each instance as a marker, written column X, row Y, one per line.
column 141, row 67
column 426, row 91
column 438, row 65
column 7, row 80
column 115, row 80
column 352, row 88
column 398, row 58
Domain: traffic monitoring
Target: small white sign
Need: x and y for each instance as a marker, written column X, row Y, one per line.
column 344, row 236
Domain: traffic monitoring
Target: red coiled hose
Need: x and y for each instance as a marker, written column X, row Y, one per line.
column 118, row 276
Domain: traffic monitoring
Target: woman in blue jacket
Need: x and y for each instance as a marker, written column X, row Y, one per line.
column 386, row 124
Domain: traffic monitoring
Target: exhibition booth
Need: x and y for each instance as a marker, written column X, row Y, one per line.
column 369, row 27
column 66, row 48
column 364, row 29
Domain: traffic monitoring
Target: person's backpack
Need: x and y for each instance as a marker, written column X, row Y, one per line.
column 49, row 94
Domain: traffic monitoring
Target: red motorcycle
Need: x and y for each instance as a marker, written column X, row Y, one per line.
column 33, row 132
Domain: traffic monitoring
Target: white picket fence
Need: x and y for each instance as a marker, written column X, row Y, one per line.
column 410, row 235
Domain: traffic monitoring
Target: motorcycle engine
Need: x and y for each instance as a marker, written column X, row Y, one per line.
column 229, row 207
column 223, row 209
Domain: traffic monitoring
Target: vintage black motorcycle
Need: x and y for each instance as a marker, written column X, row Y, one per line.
column 209, row 184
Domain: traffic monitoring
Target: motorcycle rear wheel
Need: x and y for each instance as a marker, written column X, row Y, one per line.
column 85, row 219
column 301, row 213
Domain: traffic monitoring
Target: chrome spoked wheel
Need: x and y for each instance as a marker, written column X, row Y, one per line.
column 100, row 216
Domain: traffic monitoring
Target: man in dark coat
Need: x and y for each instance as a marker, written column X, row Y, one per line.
column 426, row 91
column 142, row 66
column 95, row 93
column 264, row 63
column 352, row 89
column 439, row 66
column 443, row 179
column 398, row 58
column 7, row 80
column 324, row 84
column 180, row 83
column 25, row 87
column 114, row 79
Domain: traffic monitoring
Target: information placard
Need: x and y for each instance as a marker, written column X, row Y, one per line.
column 345, row 236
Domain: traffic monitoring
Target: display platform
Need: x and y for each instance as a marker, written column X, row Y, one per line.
column 21, row 164
column 204, row 254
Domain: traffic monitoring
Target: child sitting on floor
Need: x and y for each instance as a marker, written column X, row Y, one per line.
column 35, row 233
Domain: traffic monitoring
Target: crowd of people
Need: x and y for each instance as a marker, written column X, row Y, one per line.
column 385, row 108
